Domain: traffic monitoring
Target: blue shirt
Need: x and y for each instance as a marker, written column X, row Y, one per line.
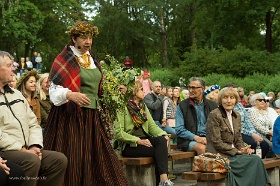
column 181, row 131
column 247, row 127
column 201, row 126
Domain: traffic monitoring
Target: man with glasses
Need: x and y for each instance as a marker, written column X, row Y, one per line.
column 21, row 138
column 154, row 102
column 191, row 118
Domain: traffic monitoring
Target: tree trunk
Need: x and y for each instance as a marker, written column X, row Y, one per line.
column 163, row 40
column 268, row 36
column 192, row 15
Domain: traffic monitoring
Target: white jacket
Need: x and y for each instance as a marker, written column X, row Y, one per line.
column 18, row 124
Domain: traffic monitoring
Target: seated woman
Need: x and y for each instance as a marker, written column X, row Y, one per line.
column 44, row 98
column 260, row 118
column 138, row 136
column 223, row 133
column 276, row 137
column 27, row 86
column 212, row 92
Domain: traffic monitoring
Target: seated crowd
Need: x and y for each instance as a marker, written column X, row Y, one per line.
column 205, row 119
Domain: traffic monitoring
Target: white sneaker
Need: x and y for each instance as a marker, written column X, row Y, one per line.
column 166, row 183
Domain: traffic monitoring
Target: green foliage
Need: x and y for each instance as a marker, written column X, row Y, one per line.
column 166, row 76
column 114, row 75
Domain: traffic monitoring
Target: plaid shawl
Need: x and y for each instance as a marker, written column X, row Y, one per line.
column 65, row 70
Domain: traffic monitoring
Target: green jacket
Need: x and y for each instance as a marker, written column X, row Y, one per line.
column 124, row 125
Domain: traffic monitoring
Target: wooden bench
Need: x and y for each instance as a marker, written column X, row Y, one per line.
column 141, row 170
column 218, row 179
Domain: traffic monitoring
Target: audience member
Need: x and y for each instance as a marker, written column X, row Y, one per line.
column 139, row 136
column 212, row 92
column 249, row 133
column 169, row 108
column 21, row 138
column 242, row 96
column 184, row 94
column 38, row 60
column 33, row 59
column 223, row 133
column 29, row 64
column 146, row 81
column 276, row 137
column 272, row 114
column 260, row 118
column 127, row 62
column 27, row 86
column 176, row 96
column 13, row 83
column 44, row 98
column 22, row 66
column 154, row 102
column 191, row 118
column 271, row 95
column 277, row 101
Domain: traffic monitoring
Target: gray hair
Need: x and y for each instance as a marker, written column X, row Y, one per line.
column 200, row 80
column 155, row 82
column 254, row 98
column 3, row 54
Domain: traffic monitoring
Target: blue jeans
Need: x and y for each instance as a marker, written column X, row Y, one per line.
column 167, row 129
column 21, row 71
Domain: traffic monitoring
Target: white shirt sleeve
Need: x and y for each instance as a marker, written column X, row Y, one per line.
column 58, row 94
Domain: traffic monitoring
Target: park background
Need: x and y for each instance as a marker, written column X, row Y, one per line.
column 220, row 40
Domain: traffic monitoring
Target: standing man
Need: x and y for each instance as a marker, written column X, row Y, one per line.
column 33, row 59
column 242, row 96
column 154, row 102
column 127, row 63
column 191, row 117
column 21, row 138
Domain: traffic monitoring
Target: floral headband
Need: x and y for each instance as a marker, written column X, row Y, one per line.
column 82, row 28
column 214, row 87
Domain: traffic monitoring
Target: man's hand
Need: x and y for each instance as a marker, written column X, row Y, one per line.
column 4, row 166
column 201, row 140
column 33, row 150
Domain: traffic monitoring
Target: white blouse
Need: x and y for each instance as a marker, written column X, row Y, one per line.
column 57, row 92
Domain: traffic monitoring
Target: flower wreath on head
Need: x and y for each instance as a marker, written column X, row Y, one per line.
column 214, row 87
column 82, row 28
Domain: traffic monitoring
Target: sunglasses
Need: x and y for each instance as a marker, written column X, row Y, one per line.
column 263, row 100
column 192, row 87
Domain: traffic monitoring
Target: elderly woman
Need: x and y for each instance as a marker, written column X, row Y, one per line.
column 260, row 118
column 74, row 126
column 138, row 136
column 212, row 92
column 223, row 133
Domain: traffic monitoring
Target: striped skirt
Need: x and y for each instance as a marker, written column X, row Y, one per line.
column 80, row 136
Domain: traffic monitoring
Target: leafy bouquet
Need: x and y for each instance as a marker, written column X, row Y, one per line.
column 114, row 75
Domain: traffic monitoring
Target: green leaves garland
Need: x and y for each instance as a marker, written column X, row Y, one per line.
column 114, row 75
